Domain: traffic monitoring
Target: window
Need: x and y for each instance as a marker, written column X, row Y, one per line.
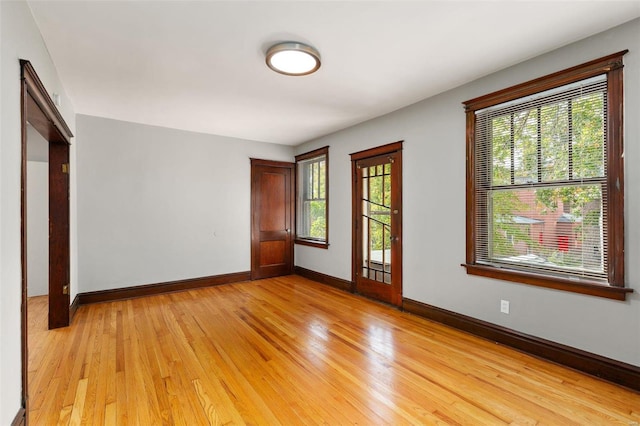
column 312, row 219
column 545, row 194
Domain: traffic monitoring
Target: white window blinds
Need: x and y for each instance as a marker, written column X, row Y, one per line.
column 541, row 184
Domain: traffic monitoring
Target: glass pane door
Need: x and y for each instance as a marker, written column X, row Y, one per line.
column 376, row 222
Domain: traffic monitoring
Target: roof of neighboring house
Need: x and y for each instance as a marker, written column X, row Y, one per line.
column 519, row 220
column 526, row 220
column 569, row 218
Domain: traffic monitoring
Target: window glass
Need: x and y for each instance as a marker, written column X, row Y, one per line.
column 541, row 152
column 312, row 196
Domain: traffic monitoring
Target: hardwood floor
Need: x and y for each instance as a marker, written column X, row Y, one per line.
column 290, row 351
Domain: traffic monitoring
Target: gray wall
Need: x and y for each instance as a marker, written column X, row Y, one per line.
column 434, row 210
column 37, row 213
column 37, row 228
column 20, row 39
column 157, row 205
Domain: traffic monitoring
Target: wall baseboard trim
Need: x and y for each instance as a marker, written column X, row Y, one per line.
column 324, row 279
column 21, row 418
column 160, row 288
column 74, row 307
column 617, row 372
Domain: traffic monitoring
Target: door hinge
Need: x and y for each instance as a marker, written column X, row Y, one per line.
column 65, row 289
column 65, row 168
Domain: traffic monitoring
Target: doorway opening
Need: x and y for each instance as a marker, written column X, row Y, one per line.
column 42, row 124
column 377, row 223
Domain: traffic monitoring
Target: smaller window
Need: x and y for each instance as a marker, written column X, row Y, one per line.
column 312, row 206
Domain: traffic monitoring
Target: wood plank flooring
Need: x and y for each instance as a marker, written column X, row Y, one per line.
column 290, row 351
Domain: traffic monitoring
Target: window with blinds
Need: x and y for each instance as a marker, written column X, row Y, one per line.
column 545, row 194
column 541, row 181
column 312, row 205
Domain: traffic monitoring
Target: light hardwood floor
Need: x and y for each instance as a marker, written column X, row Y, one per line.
column 291, row 351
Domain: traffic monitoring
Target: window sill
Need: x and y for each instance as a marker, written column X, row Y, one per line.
column 583, row 287
column 312, row 243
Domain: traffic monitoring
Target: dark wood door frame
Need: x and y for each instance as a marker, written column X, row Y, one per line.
column 285, row 234
column 38, row 109
column 394, row 148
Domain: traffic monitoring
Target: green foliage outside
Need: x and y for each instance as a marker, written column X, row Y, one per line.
column 377, row 183
column 318, row 221
column 517, row 159
column 314, row 221
column 505, row 230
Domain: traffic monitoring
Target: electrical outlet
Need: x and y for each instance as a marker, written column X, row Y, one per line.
column 504, row 306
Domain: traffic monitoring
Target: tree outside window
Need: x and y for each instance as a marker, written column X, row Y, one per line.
column 546, row 158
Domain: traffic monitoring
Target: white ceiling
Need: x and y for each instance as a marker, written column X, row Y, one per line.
column 199, row 66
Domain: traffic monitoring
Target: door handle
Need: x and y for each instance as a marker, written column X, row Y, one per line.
column 287, row 230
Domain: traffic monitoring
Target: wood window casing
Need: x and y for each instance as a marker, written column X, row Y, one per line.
column 303, row 240
column 614, row 288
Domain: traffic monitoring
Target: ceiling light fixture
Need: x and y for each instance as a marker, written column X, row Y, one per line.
column 293, row 58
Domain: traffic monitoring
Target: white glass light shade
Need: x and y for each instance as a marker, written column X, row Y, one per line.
column 293, row 58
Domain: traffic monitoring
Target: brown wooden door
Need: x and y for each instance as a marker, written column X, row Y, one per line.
column 377, row 223
column 272, row 216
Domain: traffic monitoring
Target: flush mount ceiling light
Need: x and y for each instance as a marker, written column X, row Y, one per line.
column 292, row 58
